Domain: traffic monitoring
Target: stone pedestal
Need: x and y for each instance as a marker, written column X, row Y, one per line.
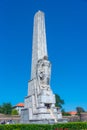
column 40, row 107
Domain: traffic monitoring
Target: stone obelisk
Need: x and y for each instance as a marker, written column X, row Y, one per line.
column 39, row 41
column 40, row 103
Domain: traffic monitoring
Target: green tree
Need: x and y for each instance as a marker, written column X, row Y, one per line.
column 65, row 113
column 79, row 110
column 0, row 109
column 59, row 101
column 6, row 108
column 14, row 112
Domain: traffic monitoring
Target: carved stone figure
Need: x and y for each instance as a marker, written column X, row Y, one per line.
column 43, row 73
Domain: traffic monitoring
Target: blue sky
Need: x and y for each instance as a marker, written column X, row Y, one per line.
column 66, row 28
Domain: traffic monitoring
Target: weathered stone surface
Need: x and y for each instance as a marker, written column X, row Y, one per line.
column 39, row 41
column 40, row 102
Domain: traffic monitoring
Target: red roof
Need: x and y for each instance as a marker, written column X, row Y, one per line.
column 20, row 105
column 72, row 112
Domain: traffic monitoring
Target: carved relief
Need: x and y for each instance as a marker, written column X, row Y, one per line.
column 43, row 72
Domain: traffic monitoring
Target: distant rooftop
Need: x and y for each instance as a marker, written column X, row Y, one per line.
column 72, row 112
column 20, row 105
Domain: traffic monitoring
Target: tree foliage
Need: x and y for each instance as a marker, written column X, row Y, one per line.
column 6, row 108
column 0, row 109
column 59, row 101
column 65, row 113
column 79, row 110
column 14, row 112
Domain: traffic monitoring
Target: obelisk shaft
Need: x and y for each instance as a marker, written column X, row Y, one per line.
column 39, row 49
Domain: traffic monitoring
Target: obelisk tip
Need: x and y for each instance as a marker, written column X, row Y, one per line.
column 39, row 12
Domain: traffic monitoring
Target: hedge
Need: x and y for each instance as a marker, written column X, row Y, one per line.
column 66, row 126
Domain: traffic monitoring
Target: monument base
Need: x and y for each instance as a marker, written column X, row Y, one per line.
column 45, row 121
column 25, row 119
column 43, row 114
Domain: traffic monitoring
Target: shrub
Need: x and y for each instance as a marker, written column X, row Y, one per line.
column 66, row 126
column 14, row 112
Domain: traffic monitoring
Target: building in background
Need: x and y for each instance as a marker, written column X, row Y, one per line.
column 72, row 113
column 18, row 107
